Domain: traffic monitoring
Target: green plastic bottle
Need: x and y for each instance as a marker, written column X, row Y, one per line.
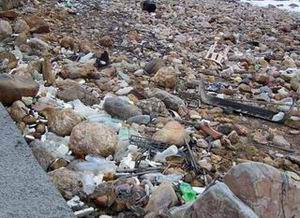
column 188, row 194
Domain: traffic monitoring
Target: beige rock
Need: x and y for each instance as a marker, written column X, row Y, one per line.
column 67, row 42
column 93, row 138
column 166, row 77
column 60, row 121
column 172, row 133
column 48, row 74
column 18, row 111
column 162, row 198
column 37, row 24
column 66, row 181
column 106, row 41
column 74, row 70
column 13, row 87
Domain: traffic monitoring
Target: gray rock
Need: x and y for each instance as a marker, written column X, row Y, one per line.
column 162, row 198
column 120, row 108
column 171, row 101
column 69, row 90
column 63, row 121
column 279, row 140
column 140, row 119
column 219, row 202
column 5, row 29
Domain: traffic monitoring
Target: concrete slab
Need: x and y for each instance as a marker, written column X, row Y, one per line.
column 25, row 190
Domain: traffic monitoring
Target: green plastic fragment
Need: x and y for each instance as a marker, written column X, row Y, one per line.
column 188, row 194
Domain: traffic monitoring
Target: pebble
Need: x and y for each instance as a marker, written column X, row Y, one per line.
column 120, row 108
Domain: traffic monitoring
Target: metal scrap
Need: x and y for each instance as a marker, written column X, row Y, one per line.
column 232, row 105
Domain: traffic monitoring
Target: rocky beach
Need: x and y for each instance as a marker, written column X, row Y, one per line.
column 181, row 108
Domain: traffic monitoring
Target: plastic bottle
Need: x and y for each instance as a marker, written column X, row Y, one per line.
column 170, row 151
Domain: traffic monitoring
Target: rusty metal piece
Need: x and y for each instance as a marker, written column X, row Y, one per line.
column 232, row 105
column 204, row 126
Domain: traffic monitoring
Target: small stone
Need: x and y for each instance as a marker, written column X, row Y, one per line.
column 21, row 39
column 225, row 128
column 9, row 4
column 262, row 78
column 124, row 91
column 5, row 29
column 288, row 62
column 11, row 59
column 21, row 26
column 280, row 141
column 153, row 106
column 66, row 181
column 216, row 144
column 29, row 120
column 48, row 74
column 173, row 133
column 67, row 42
column 61, row 122
column 106, row 41
column 234, row 137
column 261, row 137
column 69, row 90
column 204, row 164
column 38, row 45
column 171, row 101
column 18, row 111
column 245, row 88
column 154, row 66
column 166, row 77
column 140, row 119
column 295, row 82
column 37, row 24
column 93, row 138
column 11, row 15
column 120, row 108
column 75, row 70
column 162, row 198
column 13, row 87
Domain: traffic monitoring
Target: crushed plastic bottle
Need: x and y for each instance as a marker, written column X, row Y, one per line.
column 96, row 165
column 188, row 194
column 105, row 119
column 170, row 151
column 158, row 178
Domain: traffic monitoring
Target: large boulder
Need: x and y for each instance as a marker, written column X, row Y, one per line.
column 93, row 138
column 120, row 108
column 268, row 191
column 219, row 202
column 13, row 88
